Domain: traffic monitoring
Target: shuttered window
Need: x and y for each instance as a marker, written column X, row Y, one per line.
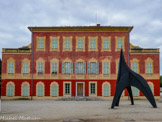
column 93, row 43
column 54, row 43
column 10, row 91
column 40, row 43
column 135, row 67
column 25, row 91
column 67, row 68
column 67, row 43
column 106, row 44
column 54, row 91
column 11, row 67
column 40, row 67
column 106, row 68
column 25, row 67
column 80, row 68
column 54, row 67
column 80, row 43
column 93, row 68
column 40, row 91
column 149, row 67
column 119, row 43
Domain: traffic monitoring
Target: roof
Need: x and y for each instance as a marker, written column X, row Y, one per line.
column 97, row 28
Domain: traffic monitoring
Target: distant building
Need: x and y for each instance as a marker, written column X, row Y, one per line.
column 75, row 61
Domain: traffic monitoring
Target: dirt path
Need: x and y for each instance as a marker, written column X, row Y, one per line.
column 80, row 110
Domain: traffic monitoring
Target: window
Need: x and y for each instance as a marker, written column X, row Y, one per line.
column 54, row 91
column 106, row 44
column 54, row 43
column 93, row 68
column 40, row 67
column 40, row 43
column 151, row 85
column 80, row 68
column 11, row 67
column 135, row 67
column 106, row 91
column 67, row 43
column 67, row 88
column 93, row 43
column 119, row 43
column 106, row 68
column 25, row 91
column 80, row 43
column 54, row 67
column 67, row 68
column 25, row 67
column 135, row 91
column 40, row 91
column 10, row 91
column 117, row 66
column 93, row 88
column 149, row 67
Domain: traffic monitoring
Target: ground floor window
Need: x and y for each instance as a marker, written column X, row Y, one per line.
column 67, row 88
column 54, row 91
column 25, row 91
column 40, row 89
column 10, row 91
column 93, row 88
column 135, row 91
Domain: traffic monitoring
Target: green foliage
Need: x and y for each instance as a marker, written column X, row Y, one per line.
column 160, row 81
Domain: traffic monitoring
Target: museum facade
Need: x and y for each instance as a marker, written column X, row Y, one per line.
column 75, row 61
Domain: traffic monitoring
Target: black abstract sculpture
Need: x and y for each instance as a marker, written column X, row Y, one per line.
column 127, row 78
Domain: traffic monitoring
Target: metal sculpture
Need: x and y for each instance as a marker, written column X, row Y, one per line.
column 127, row 78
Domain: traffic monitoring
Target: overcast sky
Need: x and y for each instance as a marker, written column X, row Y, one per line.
column 144, row 15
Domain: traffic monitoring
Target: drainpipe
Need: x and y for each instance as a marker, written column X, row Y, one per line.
column 32, row 66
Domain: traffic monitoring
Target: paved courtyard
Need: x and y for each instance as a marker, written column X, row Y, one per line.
column 80, row 110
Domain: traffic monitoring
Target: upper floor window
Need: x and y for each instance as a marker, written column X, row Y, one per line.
column 40, row 67
column 135, row 67
column 80, row 43
column 67, row 68
column 117, row 66
column 54, row 67
column 93, row 68
column 119, row 43
column 93, row 43
column 106, row 43
column 80, row 68
column 106, row 68
column 149, row 67
column 25, row 67
column 10, row 67
column 67, row 43
column 40, row 43
column 54, row 43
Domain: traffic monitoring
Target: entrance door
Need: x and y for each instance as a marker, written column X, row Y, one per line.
column 79, row 89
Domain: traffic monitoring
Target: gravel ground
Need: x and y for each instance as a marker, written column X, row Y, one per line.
column 77, row 111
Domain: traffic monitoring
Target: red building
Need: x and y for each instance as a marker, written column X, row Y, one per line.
column 75, row 61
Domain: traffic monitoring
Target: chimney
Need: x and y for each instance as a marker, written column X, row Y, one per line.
column 98, row 25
